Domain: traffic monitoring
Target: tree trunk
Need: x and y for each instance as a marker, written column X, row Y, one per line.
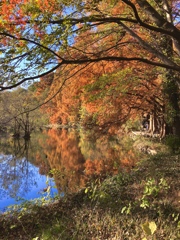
column 171, row 92
column 27, row 127
column 16, row 129
column 170, row 81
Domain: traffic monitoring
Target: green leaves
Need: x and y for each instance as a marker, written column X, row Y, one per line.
column 111, row 84
column 152, row 188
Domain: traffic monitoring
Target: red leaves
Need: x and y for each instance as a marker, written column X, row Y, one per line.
column 13, row 19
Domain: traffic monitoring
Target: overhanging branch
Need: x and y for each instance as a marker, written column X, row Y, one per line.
column 88, row 60
column 2, row 88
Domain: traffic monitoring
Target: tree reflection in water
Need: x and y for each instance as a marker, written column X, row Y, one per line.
column 19, row 177
column 65, row 159
column 72, row 158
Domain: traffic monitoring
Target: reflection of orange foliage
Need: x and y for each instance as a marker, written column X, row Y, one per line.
column 107, row 166
column 94, row 167
column 64, row 155
column 99, row 167
column 129, row 160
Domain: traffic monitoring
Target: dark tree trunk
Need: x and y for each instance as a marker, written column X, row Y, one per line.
column 169, row 122
column 172, row 107
column 27, row 127
column 17, row 127
column 170, row 81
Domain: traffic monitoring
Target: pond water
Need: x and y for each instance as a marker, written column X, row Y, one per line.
column 59, row 161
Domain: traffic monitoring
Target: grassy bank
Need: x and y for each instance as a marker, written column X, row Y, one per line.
column 142, row 204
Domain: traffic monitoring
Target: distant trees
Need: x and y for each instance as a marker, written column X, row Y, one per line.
column 16, row 114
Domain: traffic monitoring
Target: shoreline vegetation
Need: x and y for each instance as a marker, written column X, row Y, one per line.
column 141, row 204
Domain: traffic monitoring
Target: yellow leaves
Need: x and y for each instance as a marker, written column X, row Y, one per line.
column 149, row 228
column 1, row 22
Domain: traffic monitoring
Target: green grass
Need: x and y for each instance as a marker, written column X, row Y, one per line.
column 143, row 204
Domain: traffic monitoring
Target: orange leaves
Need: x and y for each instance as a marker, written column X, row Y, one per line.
column 4, row 41
column 10, row 9
column 16, row 14
column 125, row 93
column 44, row 83
column 46, row 5
column 13, row 18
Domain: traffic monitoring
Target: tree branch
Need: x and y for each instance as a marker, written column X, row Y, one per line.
column 114, row 58
column 150, row 49
column 31, row 41
column 168, row 28
column 2, row 88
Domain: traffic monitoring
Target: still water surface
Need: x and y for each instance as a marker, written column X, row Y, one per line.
column 60, row 160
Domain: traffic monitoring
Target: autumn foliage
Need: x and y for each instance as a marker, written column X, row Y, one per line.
column 74, row 159
column 108, row 62
column 104, row 94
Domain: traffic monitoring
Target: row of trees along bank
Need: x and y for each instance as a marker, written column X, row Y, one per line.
column 111, row 60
